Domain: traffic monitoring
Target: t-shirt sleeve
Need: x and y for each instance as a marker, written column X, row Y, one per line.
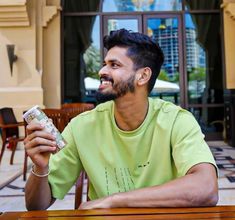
column 188, row 145
column 65, row 166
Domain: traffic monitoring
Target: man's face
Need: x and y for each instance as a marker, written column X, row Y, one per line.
column 117, row 75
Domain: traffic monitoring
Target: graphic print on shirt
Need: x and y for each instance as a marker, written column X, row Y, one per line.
column 118, row 179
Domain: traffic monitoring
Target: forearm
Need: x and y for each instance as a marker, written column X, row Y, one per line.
column 194, row 189
column 177, row 193
column 37, row 193
column 198, row 187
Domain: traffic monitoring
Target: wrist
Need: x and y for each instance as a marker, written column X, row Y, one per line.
column 40, row 171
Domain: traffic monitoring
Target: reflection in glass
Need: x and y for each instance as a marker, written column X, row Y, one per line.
column 196, row 61
column 141, row 5
column 80, row 5
column 202, row 4
column 203, row 53
column 82, row 56
column 209, row 125
column 165, row 32
column 129, row 24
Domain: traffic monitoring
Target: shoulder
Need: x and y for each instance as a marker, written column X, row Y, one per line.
column 170, row 116
column 165, row 109
column 169, row 108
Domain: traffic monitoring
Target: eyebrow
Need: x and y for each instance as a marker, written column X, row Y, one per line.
column 112, row 61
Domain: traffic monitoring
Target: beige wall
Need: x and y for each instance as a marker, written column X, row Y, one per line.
column 23, row 88
column 229, row 41
column 51, row 79
column 35, row 78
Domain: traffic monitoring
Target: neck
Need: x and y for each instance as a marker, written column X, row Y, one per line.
column 130, row 112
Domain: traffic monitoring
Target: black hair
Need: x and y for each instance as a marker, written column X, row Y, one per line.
column 141, row 49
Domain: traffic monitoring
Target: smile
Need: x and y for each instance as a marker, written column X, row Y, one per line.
column 104, row 82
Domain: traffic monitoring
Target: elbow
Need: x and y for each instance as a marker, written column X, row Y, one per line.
column 31, row 207
column 211, row 195
column 35, row 206
column 203, row 191
column 212, row 199
column 208, row 198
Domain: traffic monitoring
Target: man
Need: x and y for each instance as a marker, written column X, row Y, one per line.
column 136, row 151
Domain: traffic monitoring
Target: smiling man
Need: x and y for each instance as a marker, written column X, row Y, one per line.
column 136, row 151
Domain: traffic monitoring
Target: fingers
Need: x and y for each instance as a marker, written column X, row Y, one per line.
column 39, row 144
column 36, row 130
column 38, row 140
column 32, row 152
column 41, row 134
column 33, row 127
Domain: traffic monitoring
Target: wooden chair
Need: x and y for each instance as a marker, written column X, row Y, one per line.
column 79, row 105
column 9, row 131
column 71, row 110
column 80, row 185
column 57, row 116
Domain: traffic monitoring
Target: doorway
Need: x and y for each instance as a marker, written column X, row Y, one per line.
column 191, row 75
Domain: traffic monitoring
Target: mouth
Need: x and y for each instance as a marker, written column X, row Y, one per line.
column 105, row 82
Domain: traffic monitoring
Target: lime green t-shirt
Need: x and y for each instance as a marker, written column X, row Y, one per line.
column 165, row 146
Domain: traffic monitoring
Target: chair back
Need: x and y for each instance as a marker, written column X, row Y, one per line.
column 79, row 105
column 57, row 116
column 71, row 110
column 7, row 117
column 70, row 113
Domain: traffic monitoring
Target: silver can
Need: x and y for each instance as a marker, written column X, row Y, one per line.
column 36, row 115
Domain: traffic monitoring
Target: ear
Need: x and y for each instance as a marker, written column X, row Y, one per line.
column 143, row 76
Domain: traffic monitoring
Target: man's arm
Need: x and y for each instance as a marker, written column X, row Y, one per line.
column 39, row 145
column 38, row 192
column 198, row 187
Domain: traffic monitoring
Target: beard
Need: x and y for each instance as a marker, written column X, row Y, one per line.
column 119, row 89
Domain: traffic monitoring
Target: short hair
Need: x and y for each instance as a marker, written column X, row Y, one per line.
column 141, row 49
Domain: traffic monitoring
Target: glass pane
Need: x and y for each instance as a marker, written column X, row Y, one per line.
column 165, row 32
column 82, row 58
column 203, row 54
column 141, row 5
column 209, row 123
column 202, row 4
column 81, row 5
column 129, row 24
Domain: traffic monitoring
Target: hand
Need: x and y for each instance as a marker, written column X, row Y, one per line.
column 39, row 145
column 103, row 203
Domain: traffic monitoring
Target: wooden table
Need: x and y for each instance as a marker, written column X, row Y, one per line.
column 218, row 212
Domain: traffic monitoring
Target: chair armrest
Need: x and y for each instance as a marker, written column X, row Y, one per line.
column 12, row 125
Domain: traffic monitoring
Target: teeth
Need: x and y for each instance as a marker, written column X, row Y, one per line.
column 106, row 83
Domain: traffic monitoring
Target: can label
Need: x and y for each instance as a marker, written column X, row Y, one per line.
column 36, row 115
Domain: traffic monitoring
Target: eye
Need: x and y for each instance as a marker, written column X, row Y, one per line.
column 115, row 65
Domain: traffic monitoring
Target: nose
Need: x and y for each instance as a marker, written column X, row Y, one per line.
column 103, row 71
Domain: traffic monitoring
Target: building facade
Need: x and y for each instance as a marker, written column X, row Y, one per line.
column 49, row 47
